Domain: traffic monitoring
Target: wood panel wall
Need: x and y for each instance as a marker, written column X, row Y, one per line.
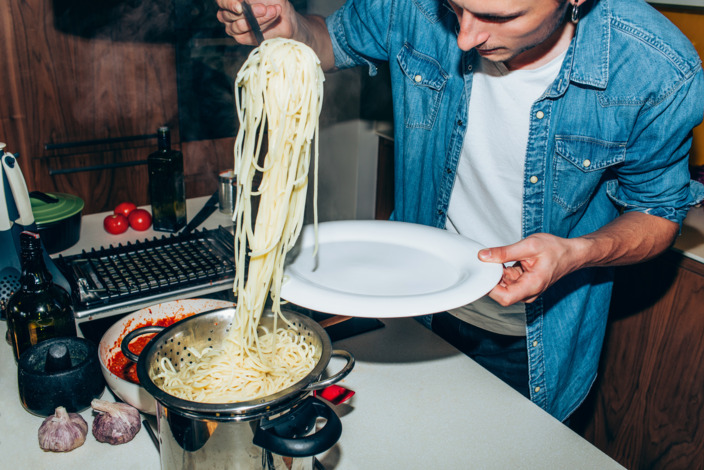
column 74, row 71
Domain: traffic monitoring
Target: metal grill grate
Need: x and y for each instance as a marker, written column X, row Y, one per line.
column 121, row 278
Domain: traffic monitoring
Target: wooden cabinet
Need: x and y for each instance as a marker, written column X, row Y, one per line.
column 646, row 409
column 85, row 86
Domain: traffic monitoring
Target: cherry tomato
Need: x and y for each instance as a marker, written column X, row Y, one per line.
column 116, row 224
column 140, row 219
column 125, row 208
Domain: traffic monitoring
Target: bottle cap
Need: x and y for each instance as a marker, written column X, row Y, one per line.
column 164, row 138
column 30, row 240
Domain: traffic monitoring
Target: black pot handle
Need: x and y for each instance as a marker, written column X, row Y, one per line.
column 44, row 197
column 324, row 438
column 132, row 335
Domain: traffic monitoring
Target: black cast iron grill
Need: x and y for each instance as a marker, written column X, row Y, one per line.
column 125, row 277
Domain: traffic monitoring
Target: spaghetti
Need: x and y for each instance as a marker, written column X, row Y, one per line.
column 279, row 98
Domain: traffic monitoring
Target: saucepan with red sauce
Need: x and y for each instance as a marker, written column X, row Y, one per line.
column 120, row 373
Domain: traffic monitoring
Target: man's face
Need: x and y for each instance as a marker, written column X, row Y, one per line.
column 520, row 31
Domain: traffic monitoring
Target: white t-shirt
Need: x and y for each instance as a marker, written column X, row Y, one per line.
column 487, row 197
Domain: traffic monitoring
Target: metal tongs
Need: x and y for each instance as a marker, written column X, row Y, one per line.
column 252, row 21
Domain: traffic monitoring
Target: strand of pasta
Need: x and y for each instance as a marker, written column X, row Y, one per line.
column 279, row 98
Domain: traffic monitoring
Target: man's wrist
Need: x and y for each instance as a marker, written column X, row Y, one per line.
column 587, row 252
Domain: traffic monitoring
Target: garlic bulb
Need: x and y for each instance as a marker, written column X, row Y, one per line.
column 62, row 431
column 116, row 423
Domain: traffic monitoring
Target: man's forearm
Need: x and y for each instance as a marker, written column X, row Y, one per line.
column 631, row 238
column 313, row 32
column 544, row 258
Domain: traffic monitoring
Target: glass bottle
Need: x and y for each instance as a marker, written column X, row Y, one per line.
column 167, row 190
column 40, row 309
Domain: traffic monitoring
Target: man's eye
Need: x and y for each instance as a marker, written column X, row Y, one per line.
column 496, row 19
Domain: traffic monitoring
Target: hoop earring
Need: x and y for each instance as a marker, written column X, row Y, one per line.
column 575, row 14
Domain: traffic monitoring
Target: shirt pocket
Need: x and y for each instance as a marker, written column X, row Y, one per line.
column 579, row 165
column 424, row 85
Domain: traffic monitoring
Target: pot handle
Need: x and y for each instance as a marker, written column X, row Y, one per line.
column 333, row 379
column 44, row 197
column 132, row 335
column 321, row 440
column 18, row 188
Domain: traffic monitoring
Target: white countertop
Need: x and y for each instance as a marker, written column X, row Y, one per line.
column 93, row 235
column 691, row 240
column 419, row 404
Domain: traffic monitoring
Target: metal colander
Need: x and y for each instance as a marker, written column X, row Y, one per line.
column 209, row 329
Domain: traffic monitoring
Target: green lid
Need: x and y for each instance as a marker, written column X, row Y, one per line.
column 46, row 212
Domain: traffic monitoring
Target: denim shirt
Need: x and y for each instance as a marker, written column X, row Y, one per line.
column 611, row 135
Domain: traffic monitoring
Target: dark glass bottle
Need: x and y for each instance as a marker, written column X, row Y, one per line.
column 40, row 309
column 167, row 190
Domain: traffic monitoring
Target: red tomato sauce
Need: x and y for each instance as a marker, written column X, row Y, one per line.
column 122, row 367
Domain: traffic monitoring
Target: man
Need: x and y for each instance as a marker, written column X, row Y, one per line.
column 557, row 133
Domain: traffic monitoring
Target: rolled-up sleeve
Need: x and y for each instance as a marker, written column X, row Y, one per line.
column 655, row 177
column 359, row 32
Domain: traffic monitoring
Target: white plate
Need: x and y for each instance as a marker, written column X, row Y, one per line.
column 374, row 268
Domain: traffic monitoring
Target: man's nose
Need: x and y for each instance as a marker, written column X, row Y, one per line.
column 472, row 33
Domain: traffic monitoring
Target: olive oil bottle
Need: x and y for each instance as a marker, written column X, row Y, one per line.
column 40, row 309
column 167, row 191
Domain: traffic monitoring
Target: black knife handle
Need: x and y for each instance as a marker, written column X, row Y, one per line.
column 202, row 215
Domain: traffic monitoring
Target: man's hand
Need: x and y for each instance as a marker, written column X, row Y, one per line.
column 531, row 266
column 538, row 261
column 278, row 18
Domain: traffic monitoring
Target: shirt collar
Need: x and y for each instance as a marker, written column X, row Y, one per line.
column 589, row 50
column 434, row 10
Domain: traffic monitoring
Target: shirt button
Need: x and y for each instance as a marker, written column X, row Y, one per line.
column 586, row 163
column 537, row 389
column 535, row 343
column 540, row 115
column 533, row 179
column 418, row 78
column 469, row 68
column 460, row 123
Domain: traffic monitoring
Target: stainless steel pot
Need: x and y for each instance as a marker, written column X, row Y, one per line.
column 278, row 431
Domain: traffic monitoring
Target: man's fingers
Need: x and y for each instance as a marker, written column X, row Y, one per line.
column 499, row 254
column 512, row 273
column 517, row 286
column 525, row 249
